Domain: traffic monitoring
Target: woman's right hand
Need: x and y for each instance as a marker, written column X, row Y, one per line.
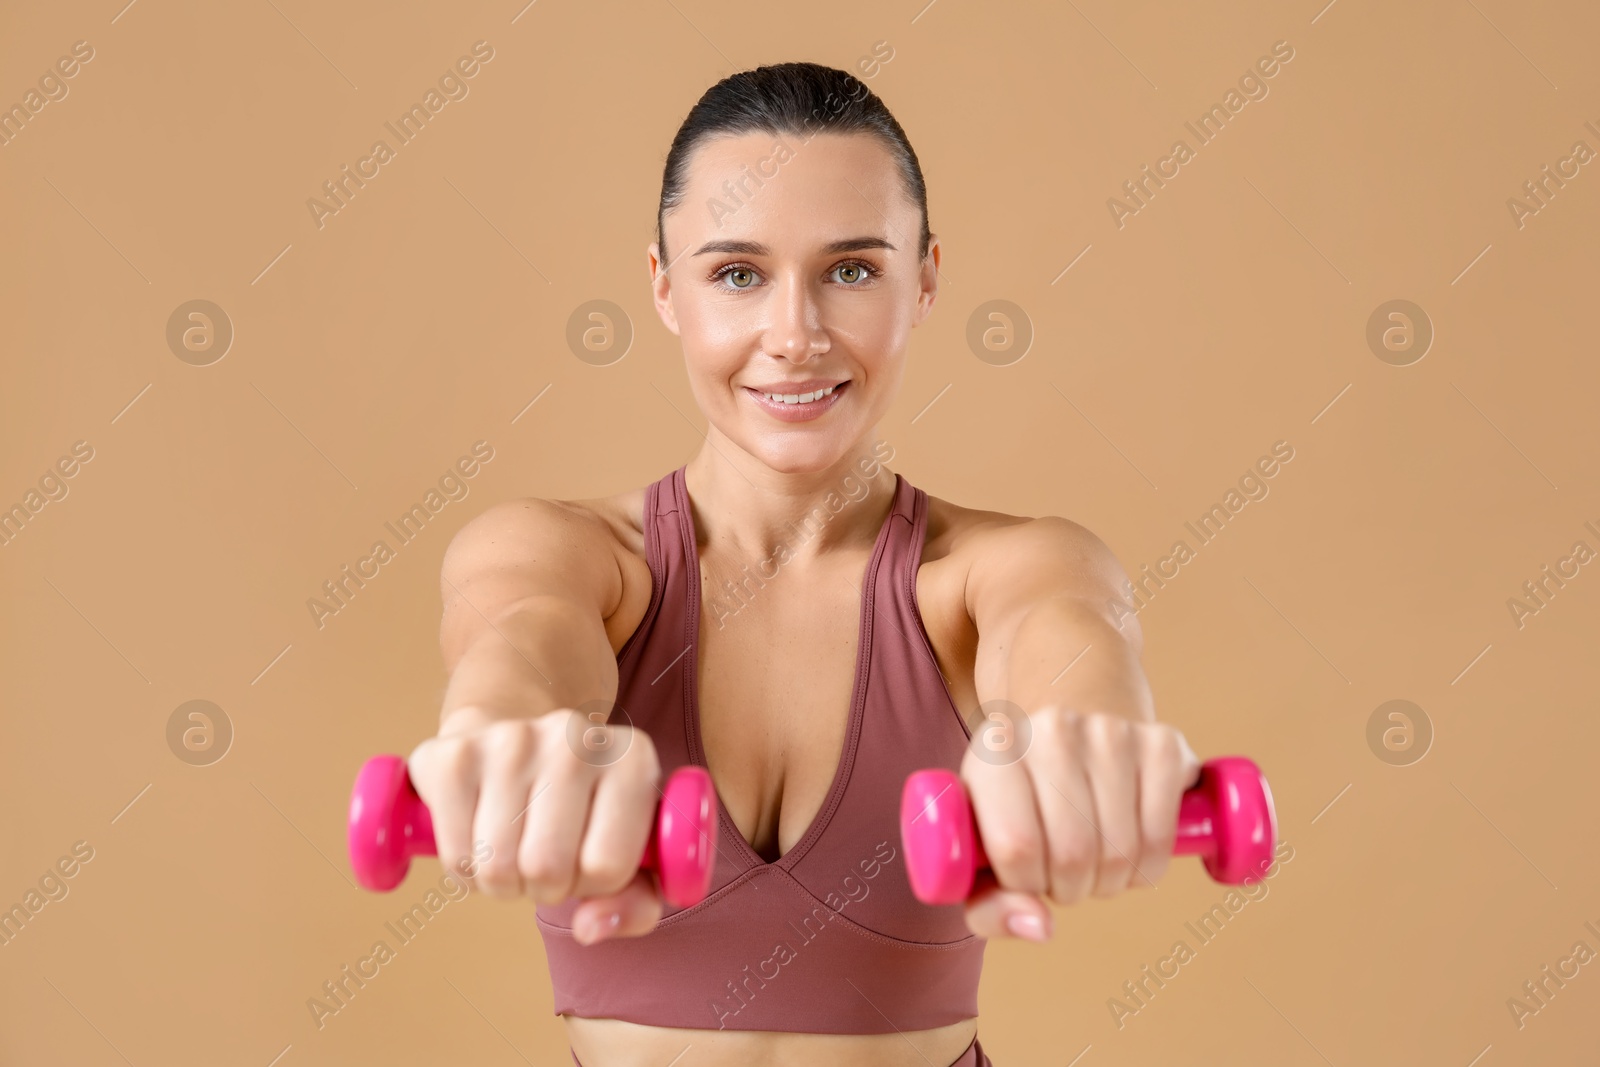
column 563, row 815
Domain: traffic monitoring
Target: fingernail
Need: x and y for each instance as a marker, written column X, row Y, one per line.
column 1025, row 924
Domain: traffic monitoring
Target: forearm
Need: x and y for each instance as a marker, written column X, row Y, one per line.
column 1068, row 652
column 528, row 660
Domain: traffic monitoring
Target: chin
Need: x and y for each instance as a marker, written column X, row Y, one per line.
column 817, row 453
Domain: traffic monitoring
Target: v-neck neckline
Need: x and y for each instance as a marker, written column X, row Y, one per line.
column 858, row 688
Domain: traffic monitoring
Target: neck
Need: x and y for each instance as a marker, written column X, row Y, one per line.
column 746, row 509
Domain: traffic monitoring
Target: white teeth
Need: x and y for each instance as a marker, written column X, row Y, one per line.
column 799, row 398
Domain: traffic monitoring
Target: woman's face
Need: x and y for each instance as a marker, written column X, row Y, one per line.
column 794, row 269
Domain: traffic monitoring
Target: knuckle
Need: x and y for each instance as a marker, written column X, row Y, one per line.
column 1072, row 855
column 546, row 875
column 1053, row 725
column 606, row 873
column 455, row 752
column 1165, row 742
column 1121, row 839
column 440, row 759
column 1106, row 731
column 499, row 867
column 1011, row 849
column 638, row 752
column 1115, row 866
column 561, row 768
column 553, row 725
column 540, row 867
column 498, row 877
column 422, row 758
column 1171, row 749
column 509, row 742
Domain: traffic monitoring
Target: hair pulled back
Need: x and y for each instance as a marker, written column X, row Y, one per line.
column 788, row 99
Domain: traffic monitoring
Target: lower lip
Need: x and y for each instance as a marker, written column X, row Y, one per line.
column 798, row 412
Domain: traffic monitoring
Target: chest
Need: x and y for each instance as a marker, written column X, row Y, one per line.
column 777, row 671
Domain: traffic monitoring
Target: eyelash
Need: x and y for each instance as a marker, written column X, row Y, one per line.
column 871, row 272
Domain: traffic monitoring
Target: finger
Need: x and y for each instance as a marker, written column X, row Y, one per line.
column 553, row 828
column 1008, row 822
column 994, row 912
column 1066, row 804
column 1113, row 762
column 1168, row 766
column 508, row 761
column 633, row 911
column 621, row 820
column 445, row 773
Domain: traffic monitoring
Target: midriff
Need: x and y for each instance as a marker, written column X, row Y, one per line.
column 614, row 1043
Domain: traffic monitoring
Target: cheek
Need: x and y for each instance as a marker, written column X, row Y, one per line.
column 715, row 344
column 877, row 343
column 879, row 324
column 877, row 328
column 710, row 325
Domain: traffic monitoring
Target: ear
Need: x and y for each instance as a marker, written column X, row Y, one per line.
column 661, row 287
column 928, row 282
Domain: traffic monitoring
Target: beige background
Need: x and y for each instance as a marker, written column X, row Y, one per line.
column 427, row 314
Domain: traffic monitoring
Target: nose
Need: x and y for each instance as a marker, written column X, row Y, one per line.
column 795, row 331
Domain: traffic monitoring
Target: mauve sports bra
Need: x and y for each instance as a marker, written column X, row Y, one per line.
column 827, row 938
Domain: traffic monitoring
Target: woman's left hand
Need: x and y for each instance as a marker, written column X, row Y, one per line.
column 1090, row 807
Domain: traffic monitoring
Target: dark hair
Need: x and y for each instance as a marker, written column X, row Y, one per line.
column 789, row 98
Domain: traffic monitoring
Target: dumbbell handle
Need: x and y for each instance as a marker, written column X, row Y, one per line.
column 1227, row 819
column 389, row 824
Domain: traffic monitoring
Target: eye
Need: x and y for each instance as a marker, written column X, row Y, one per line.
column 854, row 272
column 740, row 276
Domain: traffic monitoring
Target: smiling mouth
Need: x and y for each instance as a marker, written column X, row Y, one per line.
column 798, row 407
column 801, row 398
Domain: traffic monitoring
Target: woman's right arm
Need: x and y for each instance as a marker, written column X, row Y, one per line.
column 527, row 587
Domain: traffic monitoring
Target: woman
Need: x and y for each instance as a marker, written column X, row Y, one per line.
column 789, row 613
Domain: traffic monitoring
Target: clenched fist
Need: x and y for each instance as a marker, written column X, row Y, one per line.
column 1090, row 807
column 564, row 806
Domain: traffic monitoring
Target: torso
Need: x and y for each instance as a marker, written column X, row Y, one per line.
column 773, row 760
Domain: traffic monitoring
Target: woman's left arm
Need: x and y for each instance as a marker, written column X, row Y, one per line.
column 1074, row 784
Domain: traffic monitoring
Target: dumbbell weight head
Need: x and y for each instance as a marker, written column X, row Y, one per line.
column 388, row 824
column 1227, row 819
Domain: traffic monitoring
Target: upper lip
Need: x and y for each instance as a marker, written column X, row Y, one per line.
column 810, row 385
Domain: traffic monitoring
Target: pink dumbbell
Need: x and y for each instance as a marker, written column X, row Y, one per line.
column 389, row 824
column 1226, row 819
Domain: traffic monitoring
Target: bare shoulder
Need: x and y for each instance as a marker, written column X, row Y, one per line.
column 1049, row 553
column 622, row 515
column 990, row 566
column 589, row 551
column 973, row 533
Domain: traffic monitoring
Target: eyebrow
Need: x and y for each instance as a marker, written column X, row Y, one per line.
column 756, row 248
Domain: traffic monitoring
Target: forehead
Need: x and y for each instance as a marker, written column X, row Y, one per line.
column 782, row 186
